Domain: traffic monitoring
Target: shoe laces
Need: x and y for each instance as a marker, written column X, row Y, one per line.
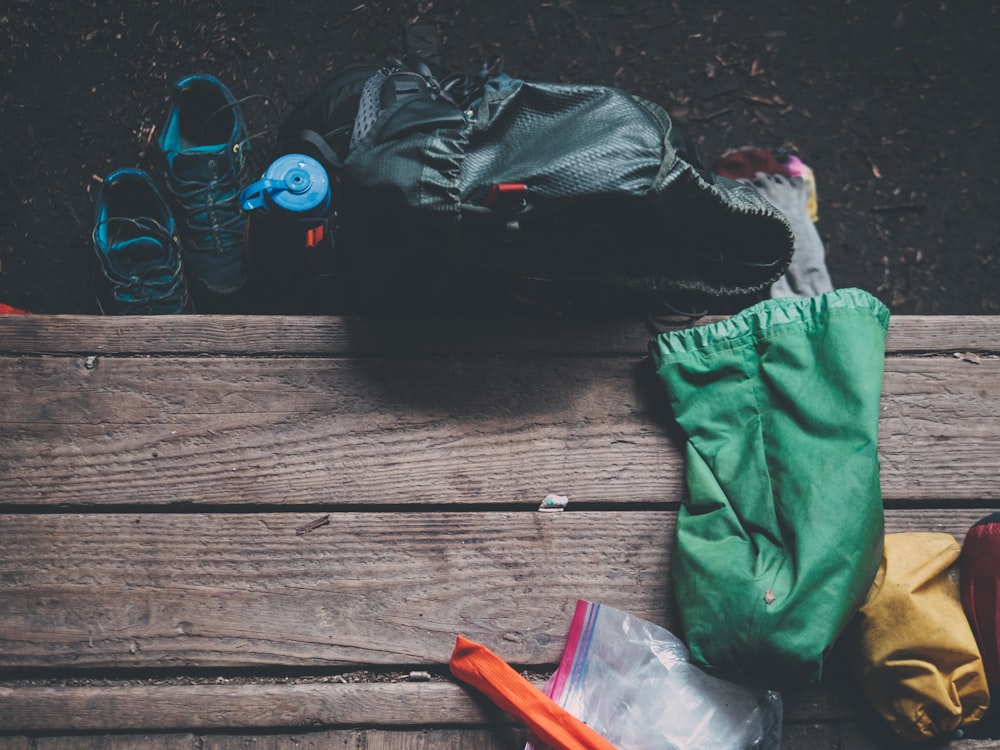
column 158, row 288
column 211, row 210
column 166, row 295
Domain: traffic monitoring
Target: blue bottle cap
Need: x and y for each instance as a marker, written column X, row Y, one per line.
column 293, row 183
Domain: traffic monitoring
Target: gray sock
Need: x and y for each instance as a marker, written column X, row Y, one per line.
column 807, row 275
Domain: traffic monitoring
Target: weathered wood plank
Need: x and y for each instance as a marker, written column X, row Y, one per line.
column 200, row 707
column 938, row 429
column 849, row 735
column 368, row 588
column 497, row 738
column 438, row 738
column 260, row 705
column 196, row 430
column 819, row 737
column 333, row 335
column 405, row 712
column 245, row 590
column 444, row 430
column 795, row 737
column 307, row 431
column 840, row 735
column 119, row 742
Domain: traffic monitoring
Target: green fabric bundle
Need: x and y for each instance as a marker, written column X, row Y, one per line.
column 781, row 535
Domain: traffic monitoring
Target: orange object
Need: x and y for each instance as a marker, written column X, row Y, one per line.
column 478, row 666
column 314, row 236
column 504, row 188
column 8, row 310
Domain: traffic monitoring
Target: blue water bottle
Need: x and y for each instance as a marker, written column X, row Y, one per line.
column 287, row 238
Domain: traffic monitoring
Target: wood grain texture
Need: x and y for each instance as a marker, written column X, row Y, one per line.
column 214, row 590
column 360, row 739
column 118, row 742
column 499, row 738
column 796, row 737
column 161, row 591
column 271, row 335
column 235, row 430
column 431, row 715
column 424, row 447
column 438, row 738
column 166, row 707
column 813, row 737
column 199, row 707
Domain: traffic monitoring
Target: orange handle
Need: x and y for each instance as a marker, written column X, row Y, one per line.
column 478, row 666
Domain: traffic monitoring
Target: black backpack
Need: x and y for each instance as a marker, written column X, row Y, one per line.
column 447, row 176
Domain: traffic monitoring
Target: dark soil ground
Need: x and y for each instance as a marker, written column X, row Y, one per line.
column 894, row 105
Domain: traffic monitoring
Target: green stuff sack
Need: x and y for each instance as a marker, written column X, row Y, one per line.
column 781, row 535
column 911, row 648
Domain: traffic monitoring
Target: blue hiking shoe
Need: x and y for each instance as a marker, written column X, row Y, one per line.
column 204, row 146
column 137, row 247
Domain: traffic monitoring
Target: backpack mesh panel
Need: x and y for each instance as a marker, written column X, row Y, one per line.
column 563, row 145
column 368, row 108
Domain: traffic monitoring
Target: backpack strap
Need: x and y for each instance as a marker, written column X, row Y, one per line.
column 328, row 156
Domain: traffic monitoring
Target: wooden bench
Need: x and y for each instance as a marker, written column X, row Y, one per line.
column 266, row 532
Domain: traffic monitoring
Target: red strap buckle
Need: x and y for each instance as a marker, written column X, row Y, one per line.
column 504, row 189
column 314, row 236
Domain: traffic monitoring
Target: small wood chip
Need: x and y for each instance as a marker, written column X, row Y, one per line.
column 970, row 357
column 306, row 528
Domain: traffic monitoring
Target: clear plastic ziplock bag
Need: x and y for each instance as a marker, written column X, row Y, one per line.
column 633, row 683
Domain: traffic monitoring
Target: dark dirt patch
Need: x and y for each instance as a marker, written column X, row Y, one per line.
column 892, row 104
